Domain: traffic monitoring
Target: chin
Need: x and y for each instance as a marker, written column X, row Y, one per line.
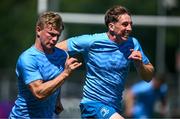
column 51, row 46
column 124, row 38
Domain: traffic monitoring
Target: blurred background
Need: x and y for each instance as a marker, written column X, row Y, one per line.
column 156, row 25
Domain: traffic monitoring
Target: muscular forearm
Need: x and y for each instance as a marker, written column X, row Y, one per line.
column 43, row 90
column 51, row 86
column 146, row 71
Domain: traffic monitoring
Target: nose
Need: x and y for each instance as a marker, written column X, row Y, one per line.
column 129, row 27
column 55, row 38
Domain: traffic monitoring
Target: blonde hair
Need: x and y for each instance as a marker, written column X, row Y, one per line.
column 50, row 18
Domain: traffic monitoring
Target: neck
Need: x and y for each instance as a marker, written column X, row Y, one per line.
column 39, row 46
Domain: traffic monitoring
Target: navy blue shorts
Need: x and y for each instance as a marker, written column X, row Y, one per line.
column 93, row 109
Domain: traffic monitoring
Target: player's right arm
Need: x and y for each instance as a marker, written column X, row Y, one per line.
column 77, row 44
column 42, row 89
column 62, row 45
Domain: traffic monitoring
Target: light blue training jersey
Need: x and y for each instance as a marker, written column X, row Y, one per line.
column 34, row 65
column 145, row 98
column 107, row 66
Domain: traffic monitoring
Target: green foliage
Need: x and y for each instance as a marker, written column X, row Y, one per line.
column 18, row 19
column 100, row 6
column 17, row 29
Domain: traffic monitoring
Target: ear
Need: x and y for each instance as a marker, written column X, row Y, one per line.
column 111, row 26
column 38, row 29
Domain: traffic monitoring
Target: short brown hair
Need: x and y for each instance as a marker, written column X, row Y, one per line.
column 113, row 13
column 52, row 18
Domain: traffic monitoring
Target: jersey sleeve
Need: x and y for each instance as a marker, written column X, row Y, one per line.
column 27, row 69
column 79, row 44
column 137, row 46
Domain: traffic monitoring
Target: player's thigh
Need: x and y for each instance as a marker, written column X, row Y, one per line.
column 116, row 116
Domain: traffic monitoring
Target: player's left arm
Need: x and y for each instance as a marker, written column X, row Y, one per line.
column 58, row 107
column 129, row 99
column 146, row 71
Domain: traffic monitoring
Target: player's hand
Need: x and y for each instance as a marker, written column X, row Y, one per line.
column 59, row 108
column 136, row 56
column 71, row 64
